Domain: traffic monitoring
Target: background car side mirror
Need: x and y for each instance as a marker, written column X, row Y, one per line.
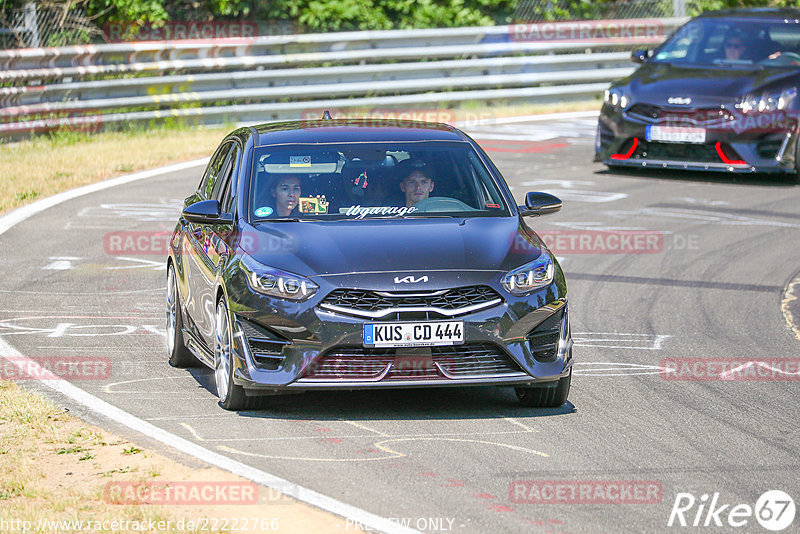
column 641, row 56
column 206, row 212
column 540, row 204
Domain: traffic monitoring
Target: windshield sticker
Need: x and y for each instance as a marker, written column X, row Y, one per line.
column 264, row 211
column 299, row 161
column 360, row 212
column 317, row 205
column 491, row 205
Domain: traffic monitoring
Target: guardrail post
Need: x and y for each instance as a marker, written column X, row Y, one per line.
column 31, row 24
column 678, row 8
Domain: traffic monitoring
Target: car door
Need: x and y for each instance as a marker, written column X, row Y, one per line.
column 199, row 266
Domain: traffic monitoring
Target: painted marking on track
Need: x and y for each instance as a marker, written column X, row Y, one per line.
column 596, row 226
column 616, row 369
column 789, row 306
column 381, row 445
column 61, row 263
column 341, row 436
column 231, row 450
column 724, row 219
column 108, row 388
column 140, row 263
column 728, row 375
column 192, row 432
column 519, row 424
column 619, row 340
column 364, row 427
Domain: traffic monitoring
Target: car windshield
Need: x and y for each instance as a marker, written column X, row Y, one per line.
column 358, row 181
column 734, row 42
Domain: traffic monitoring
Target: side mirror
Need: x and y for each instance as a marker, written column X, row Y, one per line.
column 206, row 212
column 540, row 204
column 640, row 56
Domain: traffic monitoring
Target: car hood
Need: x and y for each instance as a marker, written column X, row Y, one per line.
column 654, row 83
column 395, row 246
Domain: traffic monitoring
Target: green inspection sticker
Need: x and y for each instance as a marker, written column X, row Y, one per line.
column 264, row 211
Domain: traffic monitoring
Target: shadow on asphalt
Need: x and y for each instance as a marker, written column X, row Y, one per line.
column 749, row 179
column 393, row 404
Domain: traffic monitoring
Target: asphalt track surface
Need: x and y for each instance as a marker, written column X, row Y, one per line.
column 448, row 458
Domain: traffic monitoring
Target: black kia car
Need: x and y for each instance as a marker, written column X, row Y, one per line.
column 346, row 254
column 720, row 95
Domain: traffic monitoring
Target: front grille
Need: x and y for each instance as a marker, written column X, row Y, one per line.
column 375, row 302
column 442, row 363
column 703, row 153
column 543, row 339
column 680, row 117
column 265, row 347
column 644, row 112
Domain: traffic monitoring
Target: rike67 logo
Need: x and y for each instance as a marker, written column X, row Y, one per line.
column 774, row 510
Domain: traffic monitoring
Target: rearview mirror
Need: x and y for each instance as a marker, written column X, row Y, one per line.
column 206, row 212
column 540, row 204
column 640, row 56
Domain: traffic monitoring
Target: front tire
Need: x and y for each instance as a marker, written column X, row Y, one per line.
column 179, row 355
column 545, row 397
column 231, row 396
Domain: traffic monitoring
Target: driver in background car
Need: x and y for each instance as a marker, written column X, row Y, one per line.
column 734, row 47
column 417, row 186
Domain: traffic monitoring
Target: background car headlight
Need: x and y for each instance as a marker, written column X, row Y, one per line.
column 276, row 283
column 616, row 98
column 768, row 101
column 530, row 276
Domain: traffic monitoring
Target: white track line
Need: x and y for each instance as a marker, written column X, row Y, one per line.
column 120, row 416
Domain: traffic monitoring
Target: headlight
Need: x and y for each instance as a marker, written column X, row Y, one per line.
column 530, row 276
column 277, row 283
column 616, row 97
column 766, row 101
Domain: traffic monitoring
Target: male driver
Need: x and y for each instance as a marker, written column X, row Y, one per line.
column 417, row 186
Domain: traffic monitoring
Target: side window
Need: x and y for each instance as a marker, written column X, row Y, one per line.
column 225, row 181
column 213, row 170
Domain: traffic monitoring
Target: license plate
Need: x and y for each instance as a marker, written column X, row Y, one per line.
column 425, row 334
column 675, row 134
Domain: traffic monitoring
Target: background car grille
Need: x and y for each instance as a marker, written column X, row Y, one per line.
column 688, row 152
column 452, row 362
column 680, row 117
column 373, row 301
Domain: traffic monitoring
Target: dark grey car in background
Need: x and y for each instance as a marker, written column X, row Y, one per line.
column 355, row 288
column 720, row 95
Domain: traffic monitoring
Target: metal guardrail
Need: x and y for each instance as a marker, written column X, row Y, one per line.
column 262, row 78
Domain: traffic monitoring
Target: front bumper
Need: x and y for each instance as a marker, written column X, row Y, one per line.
column 734, row 143
column 509, row 343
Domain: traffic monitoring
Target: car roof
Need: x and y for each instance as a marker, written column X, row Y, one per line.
column 755, row 13
column 354, row 130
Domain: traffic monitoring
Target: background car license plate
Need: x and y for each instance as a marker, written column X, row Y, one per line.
column 413, row 334
column 675, row 134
